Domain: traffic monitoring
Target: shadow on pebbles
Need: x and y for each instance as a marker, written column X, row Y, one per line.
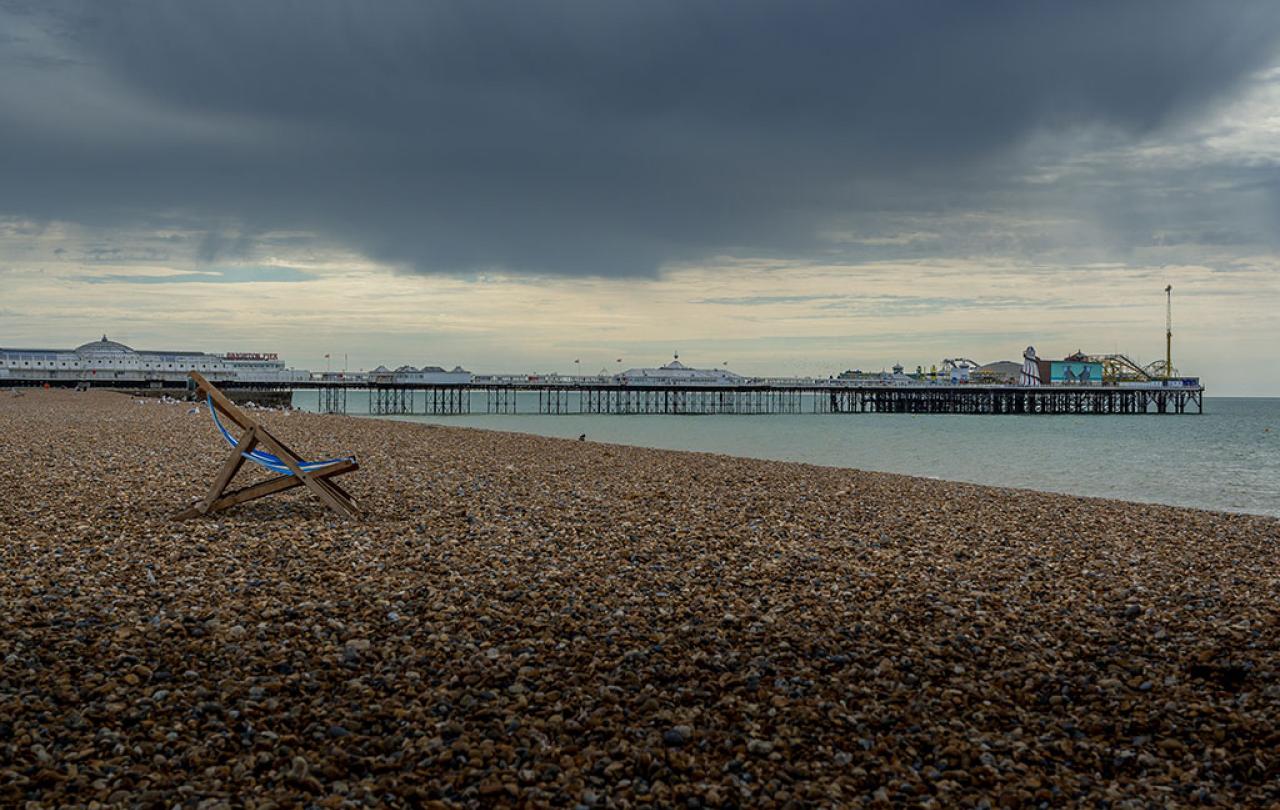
column 541, row 622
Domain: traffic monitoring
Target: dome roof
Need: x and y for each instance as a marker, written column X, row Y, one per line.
column 104, row 346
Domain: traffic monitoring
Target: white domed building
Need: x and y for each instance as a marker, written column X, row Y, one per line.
column 108, row 362
column 677, row 373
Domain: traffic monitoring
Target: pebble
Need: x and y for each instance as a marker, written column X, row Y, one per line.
column 759, row 747
column 677, row 736
column 536, row 622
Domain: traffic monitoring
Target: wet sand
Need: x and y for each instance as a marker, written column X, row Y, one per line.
column 544, row 622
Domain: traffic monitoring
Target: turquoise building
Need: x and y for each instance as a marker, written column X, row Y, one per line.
column 1073, row 372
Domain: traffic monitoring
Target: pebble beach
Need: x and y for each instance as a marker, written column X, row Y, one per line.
column 539, row 622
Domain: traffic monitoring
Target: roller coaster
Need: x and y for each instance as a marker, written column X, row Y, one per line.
column 1122, row 368
column 1116, row 367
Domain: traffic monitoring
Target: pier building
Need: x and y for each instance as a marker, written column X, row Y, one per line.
column 677, row 373
column 427, row 374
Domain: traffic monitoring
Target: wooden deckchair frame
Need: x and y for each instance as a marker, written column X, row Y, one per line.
column 318, row 480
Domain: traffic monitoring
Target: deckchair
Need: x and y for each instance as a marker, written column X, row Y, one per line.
column 291, row 470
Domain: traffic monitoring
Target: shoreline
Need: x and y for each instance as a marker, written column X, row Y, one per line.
column 1129, row 498
column 730, row 457
column 525, row 619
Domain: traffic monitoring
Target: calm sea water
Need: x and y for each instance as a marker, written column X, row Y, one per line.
column 1227, row 458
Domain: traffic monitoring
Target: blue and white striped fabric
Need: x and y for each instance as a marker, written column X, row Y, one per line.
column 263, row 458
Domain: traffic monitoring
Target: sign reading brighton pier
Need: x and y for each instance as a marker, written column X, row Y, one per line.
column 250, row 356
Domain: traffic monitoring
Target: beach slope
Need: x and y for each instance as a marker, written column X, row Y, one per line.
column 529, row 620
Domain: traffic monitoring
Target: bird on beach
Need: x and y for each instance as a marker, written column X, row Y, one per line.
column 582, row 437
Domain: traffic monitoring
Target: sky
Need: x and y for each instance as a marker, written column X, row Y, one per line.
column 785, row 188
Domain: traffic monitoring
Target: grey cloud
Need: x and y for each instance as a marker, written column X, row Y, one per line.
column 766, row 300
column 226, row 275
column 96, row 254
column 585, row 138
column 825, row 306
column 216, row 245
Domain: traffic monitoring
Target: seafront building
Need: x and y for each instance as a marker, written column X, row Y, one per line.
column 109, row 362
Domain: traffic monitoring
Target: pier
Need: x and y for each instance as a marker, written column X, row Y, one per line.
column 1078, row 384
column 774, row 398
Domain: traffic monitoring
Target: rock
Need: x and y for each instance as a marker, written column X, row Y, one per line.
column 759, row 747
column 676, row 736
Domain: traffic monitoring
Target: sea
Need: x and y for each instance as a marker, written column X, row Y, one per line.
column 1227, row 458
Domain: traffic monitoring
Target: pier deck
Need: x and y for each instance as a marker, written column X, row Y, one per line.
column 577, row 398
column 774, row 397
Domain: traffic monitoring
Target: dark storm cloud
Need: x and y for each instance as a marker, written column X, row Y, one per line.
column 582, row 138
